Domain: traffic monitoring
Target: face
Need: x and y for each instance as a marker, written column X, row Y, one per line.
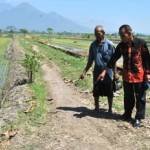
column 99, row 33
column 125, row 35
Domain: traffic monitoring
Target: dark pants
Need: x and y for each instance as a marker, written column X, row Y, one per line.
column 134, row 93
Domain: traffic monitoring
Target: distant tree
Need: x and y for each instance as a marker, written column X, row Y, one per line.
column 140, row 35
column 24, row 31
column 50, row 31
column 11, row 30
column 86, row 35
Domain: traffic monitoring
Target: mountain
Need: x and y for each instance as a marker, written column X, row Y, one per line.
column 31, row 18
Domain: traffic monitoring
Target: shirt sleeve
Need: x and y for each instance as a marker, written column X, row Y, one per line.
column 113, row 48
column 115, row 57
column 90, row 56
column 109, row 52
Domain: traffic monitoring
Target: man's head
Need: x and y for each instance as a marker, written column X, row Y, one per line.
column 99, row 33
column 125, row 32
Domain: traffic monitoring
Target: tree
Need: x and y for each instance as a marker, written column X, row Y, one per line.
column 11, row 30
column 24, row 31
column 50, row 31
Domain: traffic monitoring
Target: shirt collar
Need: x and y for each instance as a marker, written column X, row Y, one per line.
column 102, row 42
column 133, row 42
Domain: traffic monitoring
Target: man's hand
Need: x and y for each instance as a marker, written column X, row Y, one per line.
column 116, row 77
column 148, row 77
column 102, row 75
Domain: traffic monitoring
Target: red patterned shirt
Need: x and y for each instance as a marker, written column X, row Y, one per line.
column 136, row 60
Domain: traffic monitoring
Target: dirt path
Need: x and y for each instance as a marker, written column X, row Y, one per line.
column 71, row 132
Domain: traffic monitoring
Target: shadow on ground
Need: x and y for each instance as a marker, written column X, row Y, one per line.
column 84, row 111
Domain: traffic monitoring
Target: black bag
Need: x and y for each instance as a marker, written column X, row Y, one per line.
column 103, row 88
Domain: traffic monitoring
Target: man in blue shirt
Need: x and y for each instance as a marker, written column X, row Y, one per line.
column 100, row 53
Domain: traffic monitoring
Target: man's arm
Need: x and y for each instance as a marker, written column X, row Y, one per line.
column 146, row 61
column 114, row 57
column 115, row 76
column 89, row 62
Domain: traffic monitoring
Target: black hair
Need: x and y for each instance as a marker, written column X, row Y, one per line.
column 126, row 27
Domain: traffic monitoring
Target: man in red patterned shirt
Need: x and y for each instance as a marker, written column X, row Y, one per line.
column 136, row 71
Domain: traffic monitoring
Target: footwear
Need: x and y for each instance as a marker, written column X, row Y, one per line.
column 126, row 117
column 110, row 111
column 96, row 99
column 137, row 123
column 96, row 110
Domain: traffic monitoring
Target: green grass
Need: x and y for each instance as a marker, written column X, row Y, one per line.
column 4, row 62
column 68, row 42
column 3, row 45
column 40, row 93
column 37, row 116
column 82, row 44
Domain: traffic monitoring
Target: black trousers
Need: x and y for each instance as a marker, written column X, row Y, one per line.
column 134, row 93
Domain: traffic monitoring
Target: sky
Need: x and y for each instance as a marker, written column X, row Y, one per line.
column 109, row 13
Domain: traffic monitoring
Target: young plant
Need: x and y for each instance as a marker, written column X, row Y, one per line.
column 31, row 64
